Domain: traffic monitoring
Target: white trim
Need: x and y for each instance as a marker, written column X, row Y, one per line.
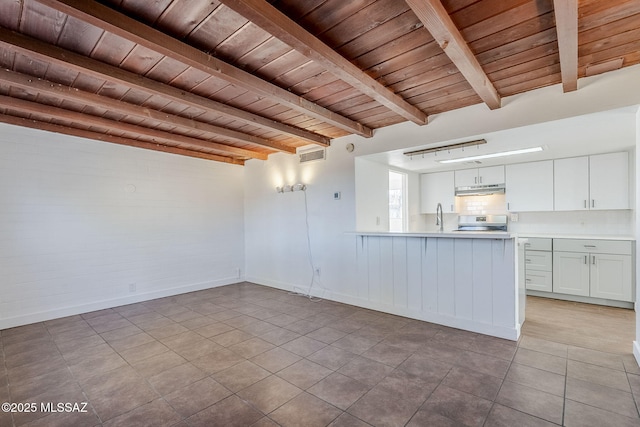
column 466, row 324
column 42, row 316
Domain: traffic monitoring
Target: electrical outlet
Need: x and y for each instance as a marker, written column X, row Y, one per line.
column 514, row 217
column 337, row 195
column 132, row 287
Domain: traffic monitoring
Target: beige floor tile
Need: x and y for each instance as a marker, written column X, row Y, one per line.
column 251, row 347
column 472, row 382
column 305, row 410
column 276, row 359
column 367, row 371
column 602, row 397
column 303, row 346
column 217, row 361
column 536, row 378
column 241, row 376
column 531, row 401
column 501, row 416
column 196, row 396
column 382, row 409
column 544, row 361
column 580, row 415
column 158, row 410
column 339, row 390
column 304, row 374
column 230, row 412
column 171, row 379
column 597, row 374
column 269, row 393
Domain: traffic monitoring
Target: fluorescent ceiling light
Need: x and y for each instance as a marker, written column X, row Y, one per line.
column 492, row 155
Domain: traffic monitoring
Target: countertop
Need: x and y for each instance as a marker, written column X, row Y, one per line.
column 443, row 234
column 576, row 236
column 492, row 235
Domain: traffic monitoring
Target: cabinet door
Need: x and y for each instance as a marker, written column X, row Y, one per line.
column 611, row 277
column 609, row 181
column 538, row 260
column 491, row 175
column 529, row 186
column 437, row 188
column 571, row 273
column 466, row 177
column 571, row 184
column 539, row 280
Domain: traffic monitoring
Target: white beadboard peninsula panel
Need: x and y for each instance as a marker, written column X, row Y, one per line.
column 464, row 283
column 81, row 221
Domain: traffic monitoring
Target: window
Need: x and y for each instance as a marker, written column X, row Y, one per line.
column 397, row 201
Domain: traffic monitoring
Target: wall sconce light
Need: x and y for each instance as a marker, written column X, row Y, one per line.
column 291, row 188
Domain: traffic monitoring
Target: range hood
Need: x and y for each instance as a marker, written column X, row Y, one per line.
column 479, row 190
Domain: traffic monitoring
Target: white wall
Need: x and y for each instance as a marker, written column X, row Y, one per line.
column 273, row 225
column 372, row 195
column 636, row 343
column 275, row 229
column 80, row 221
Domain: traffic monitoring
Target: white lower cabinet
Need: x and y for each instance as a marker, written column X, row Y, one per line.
column 538, row 265
column 611, row 277
column 593, row 268
column 571, row 273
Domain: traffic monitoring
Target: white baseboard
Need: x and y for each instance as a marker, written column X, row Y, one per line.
column 636, row 351
column 57, row 313
column 466, row 324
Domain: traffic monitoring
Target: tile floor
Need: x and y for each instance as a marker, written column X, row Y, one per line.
column 247, row 355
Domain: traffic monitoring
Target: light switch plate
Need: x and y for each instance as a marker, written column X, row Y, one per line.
column 514, row 217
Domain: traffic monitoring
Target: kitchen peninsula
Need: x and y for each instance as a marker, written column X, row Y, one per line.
column 466, row 280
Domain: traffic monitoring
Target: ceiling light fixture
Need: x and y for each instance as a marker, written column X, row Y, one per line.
column 445, row 147
column 492, row 155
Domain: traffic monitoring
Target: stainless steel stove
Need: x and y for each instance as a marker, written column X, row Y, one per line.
column 482, row 223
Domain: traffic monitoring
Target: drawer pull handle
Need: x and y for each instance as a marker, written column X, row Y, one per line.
column 528, row 260
column 593, row 260
column 589, row 246
column 585, row 259
column 528, row 280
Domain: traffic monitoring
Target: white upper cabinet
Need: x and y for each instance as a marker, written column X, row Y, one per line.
column 437, row 188
column 571, row 184
column 479, row 176
column 609, row 181
column 595, row 182
column 529, row 186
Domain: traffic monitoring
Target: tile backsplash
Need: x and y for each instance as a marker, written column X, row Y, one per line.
column 490, row 204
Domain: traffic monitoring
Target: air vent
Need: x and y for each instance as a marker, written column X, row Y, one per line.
column 311, row 156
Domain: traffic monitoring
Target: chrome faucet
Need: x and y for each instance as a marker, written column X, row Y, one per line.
column 439, row 220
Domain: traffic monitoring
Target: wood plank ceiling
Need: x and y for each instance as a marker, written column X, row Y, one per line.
column 231, row 80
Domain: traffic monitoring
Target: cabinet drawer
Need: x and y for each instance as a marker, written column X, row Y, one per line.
column 538, row 244
column 621, row 247
column 538, row 260
column 539, row 280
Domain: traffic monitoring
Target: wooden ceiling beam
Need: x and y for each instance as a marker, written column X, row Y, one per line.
column 31, row 84
column 134, row 31
column 52, row 127
column 566, row 13
column 438, row 22
column 82, row 64
column 30, row 107
column 285, row 29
